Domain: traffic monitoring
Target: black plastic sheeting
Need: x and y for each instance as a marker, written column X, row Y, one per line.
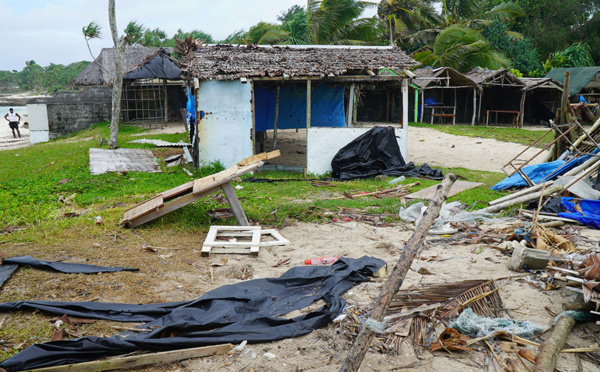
column 249, row 310
column 64, row 267
column 159, row 67
column 9, row 265
column 376, row 152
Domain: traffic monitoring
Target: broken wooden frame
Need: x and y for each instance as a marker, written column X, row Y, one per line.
column 233, row 245
column 189, row 192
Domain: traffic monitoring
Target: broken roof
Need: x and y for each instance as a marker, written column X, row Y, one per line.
column 227, row 62
column 102, row 70
column 428, row 77
column 579, row 78
column 485, row 77
column 534, row 83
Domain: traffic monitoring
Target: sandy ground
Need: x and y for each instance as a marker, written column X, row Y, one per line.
column 446, row 150
column 184, row 275
column 7, row 141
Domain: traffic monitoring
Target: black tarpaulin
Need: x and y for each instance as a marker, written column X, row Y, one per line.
column 158, row 67
column 64, row 267
column 250, row 310
column 377, row 153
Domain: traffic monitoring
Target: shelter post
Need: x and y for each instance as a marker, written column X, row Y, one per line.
column 276, row 120
column 350, row 106
column 404, row 103
column 522, row 109
column 416, row 119
column 474, row 106
column 166, row 108
column 422, row 104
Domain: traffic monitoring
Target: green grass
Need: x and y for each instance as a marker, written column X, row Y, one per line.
column 506, row 134
column 32, row 185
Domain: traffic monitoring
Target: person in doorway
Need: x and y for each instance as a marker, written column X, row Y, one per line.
column 13, row 121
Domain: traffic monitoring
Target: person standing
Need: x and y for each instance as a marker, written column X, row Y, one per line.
column 13, row 121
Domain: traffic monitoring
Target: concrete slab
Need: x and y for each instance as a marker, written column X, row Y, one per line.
column 122, row 160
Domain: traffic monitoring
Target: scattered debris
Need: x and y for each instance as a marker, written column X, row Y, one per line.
column 239, row 240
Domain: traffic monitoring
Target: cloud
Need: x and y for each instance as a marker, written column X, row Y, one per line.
column 49, row 31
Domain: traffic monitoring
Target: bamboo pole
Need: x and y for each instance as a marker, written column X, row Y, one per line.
column 520, row 193
column 360, row 346
column 525, row 198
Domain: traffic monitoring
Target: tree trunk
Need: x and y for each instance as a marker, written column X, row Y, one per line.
column 363, row 340
column 118, row 80
column 546, row 359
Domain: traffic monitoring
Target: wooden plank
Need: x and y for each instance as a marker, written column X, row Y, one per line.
column 212, row 181
column 235, row 205
column 182, row 189
column 216, row 180
column 142, row 209
column 210, row 239
column 169, row 207
column 259, row 157
column 140, row 360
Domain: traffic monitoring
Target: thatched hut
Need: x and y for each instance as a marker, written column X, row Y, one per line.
column 541, row 101
column 152, row 92
column 450, row 90
column 242, row 90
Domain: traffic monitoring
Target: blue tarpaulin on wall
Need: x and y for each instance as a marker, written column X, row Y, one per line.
column 327, row 107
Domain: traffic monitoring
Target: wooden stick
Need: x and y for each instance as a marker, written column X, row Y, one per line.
column 525, row 198
column 546, row 359
column 360, row 346
column 520, row 193
column 139, row 360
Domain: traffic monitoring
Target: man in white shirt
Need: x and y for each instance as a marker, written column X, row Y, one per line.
column 13, row 121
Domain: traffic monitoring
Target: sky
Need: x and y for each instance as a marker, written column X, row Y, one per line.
column 49, row 31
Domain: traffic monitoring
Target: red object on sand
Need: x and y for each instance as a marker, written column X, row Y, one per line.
column 321, row 260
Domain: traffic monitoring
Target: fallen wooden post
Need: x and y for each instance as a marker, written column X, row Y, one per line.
column 360, row 346
column 139, row 360
column 522, row 199
column 546, row 359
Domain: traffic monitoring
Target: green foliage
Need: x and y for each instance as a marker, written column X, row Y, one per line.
column 338, row 22
column 42, row 79
column 520, row 51
column 462, row 49
column 576, row 55
column 92, row 31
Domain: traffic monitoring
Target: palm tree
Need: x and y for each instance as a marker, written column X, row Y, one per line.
column 461, row 48
column 405, row 17
column 338, row 22
column 91, row 31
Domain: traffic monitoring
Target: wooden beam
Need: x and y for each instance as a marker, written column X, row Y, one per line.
column 474, row 106
column 259, row 157
column 350, row 106
column 405, row 103
column 140, row 360
column 361, row 344
column 276, row 121
column 234, row 203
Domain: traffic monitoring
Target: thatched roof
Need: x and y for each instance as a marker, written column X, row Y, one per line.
column 484, row 77
column 534, row 83
column 227, row 62
column 428, row 77
column 102, row 70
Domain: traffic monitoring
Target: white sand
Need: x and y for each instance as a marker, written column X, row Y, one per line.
column 446, row 150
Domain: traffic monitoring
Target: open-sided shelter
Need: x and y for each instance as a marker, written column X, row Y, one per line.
column 152, row 91
column 502, row 96
column 242, row 91
column 541, row 100
column 454, row 95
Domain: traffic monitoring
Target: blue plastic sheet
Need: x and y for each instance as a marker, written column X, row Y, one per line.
column 327, row 107
column 589, row 215
column 540, row 173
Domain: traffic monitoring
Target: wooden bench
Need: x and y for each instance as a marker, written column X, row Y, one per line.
column 170, row 200
column 443, row 114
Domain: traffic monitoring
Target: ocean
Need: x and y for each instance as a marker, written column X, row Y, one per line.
column 21, row 110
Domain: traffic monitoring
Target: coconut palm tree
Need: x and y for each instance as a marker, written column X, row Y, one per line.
column 461, row 48
column 338, row 22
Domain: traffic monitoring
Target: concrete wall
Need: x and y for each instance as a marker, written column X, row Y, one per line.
column 68, row 112
column 225, row 131
column 323, row 143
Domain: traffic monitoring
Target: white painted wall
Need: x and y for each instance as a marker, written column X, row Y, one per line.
column 38, row 123
column 225, row 131
column 324, row 143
